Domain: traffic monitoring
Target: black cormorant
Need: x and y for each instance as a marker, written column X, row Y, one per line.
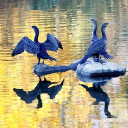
column 97, row 47
column 34, row 47
column 95, row 38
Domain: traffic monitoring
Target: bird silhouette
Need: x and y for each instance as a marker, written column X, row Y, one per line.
column 42, row 87
column 95, row 38
column 97, row 46
column 34, row 47
column 97, row 92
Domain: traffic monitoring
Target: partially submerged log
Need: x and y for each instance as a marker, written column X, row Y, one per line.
column 42, row 69
column 90, row 68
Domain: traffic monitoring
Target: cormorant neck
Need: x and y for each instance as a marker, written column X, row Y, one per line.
column 103, row 33
column 94, row 29
column 36, row 35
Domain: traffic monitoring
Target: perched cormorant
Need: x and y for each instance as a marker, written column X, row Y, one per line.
column 97, row 47
column 95, row 38
column 34, row 47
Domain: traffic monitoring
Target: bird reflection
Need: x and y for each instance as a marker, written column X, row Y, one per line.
column 42, row 87
column 97, row 92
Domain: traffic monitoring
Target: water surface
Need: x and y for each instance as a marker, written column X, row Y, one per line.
column 72, row 106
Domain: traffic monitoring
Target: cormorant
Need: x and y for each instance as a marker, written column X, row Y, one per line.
column 97, row 47
column 95, row 38
column 34, row 47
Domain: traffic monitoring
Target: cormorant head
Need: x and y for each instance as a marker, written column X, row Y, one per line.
column 105, row 25
column 94, row 21
column 91, row 20
column 35, row 28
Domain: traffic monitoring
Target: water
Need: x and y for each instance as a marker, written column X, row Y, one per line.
column 72, row 106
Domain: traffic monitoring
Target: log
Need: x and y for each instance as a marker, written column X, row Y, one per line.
column 88, row 69
column 43, row 69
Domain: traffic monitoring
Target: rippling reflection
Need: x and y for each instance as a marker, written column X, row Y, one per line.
column 42, row 87
column 97, row 92
column 65, row 19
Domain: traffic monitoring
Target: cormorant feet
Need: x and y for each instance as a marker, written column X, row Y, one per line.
column 99, row 60
column 102, row 62
column 95, row 59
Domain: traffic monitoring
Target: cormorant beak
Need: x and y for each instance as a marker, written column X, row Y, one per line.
column 110, row 24
column 88, row 20
column 30, row 26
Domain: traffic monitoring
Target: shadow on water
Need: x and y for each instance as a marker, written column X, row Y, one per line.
column 97, row 92
column 42, row 87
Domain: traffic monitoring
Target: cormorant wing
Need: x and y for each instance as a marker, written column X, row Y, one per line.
column 94, row 39
column 52, row 43
column 26, row 44
column 98, row 46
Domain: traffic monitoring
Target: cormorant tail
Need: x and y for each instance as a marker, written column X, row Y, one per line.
column 60, row 45
column 51, row 58
column 83, row 60
column 13, row 53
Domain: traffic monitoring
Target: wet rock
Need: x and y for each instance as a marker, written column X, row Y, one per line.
column 96, row 69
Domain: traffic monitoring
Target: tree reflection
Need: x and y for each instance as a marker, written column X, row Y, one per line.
column 42, row 87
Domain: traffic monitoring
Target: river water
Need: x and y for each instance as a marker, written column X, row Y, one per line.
column 73, row 106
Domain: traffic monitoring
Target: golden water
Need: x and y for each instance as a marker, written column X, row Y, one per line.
column 65, row 19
